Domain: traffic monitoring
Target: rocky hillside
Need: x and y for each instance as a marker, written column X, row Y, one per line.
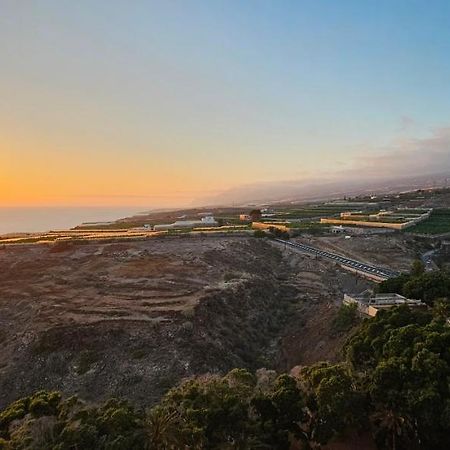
column 132, row 319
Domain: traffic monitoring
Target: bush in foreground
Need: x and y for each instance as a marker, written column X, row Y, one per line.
column 392, row 384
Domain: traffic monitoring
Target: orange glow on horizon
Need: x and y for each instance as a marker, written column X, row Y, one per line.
column 36, row 174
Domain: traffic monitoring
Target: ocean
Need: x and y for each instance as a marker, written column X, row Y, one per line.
column 43, row 219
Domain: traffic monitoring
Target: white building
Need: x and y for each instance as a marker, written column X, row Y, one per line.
column 369, row 303
column 207, row 221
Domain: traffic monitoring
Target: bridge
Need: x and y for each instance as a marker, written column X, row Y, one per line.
column 373, row 272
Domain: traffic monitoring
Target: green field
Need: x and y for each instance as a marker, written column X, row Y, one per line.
column 320, row 211
column 381, row 219
column 438, row 223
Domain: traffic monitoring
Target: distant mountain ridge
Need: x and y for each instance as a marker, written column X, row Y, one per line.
column 322, row 189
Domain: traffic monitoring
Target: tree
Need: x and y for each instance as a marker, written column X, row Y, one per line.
column 394, row 285
column 392, row 429
column 162, row 428
column 277, row 233
column 441, row 308
column 44, row 420
column 255, row 215
column 393, row 382
column 212, row 410
column 280, row 412
column 417, row 268
column 259, row 234
column 334, row 404
column 428, row 286
column 346, row 318
column 401, row 358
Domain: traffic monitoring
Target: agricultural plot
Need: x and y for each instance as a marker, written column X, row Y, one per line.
column 438, row 223
column 312, row 212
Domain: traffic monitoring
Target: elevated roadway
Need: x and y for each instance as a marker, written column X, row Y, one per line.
column 370, row 271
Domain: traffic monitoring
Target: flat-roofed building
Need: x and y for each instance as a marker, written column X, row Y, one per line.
column 399, row 219
column 207, row 221
column 369, row 303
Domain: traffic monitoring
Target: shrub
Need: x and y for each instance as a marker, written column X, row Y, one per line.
column 259, row 234
column 346, row 318
column 14, row 411
column 228, row 276
column 44, row 403
column 85, row 361
column 138, row 353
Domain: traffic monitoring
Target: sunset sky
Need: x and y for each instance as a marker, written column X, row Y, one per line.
column 154, row 103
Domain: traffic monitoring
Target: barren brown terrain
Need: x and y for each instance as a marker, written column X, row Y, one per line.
column 391, row 250
column 131, row 319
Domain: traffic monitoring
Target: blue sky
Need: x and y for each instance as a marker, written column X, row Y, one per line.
column 176, row 98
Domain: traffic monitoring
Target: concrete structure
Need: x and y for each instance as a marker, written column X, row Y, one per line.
column 353, row 204
column 445, row 248
column 96, row 224
column 395, row 220
column 146, row 227
column 369, row 271
column 208, row 221
column 369, row 304
column 267, row 226
column 245, row 217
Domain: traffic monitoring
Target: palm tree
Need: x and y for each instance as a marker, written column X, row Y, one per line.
column 397, row 426
column 162, row 428
column 441, row 308
column 307, row 430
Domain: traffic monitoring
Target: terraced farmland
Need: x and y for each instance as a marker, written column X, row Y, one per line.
column 438, row 223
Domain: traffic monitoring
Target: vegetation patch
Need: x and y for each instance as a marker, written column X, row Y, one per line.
column 437, row 223
column 259, row 234
column 85, row 361
column 426, row 286
column 346, row 318
column 229, row 276
column 139, row 353
column 392, row 387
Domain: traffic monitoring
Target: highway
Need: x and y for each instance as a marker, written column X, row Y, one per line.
column 374, row 271
column 428, row 262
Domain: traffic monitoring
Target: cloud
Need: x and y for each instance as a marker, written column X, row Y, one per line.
column 422, row 156
column 407, row 124
column 405, row 164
